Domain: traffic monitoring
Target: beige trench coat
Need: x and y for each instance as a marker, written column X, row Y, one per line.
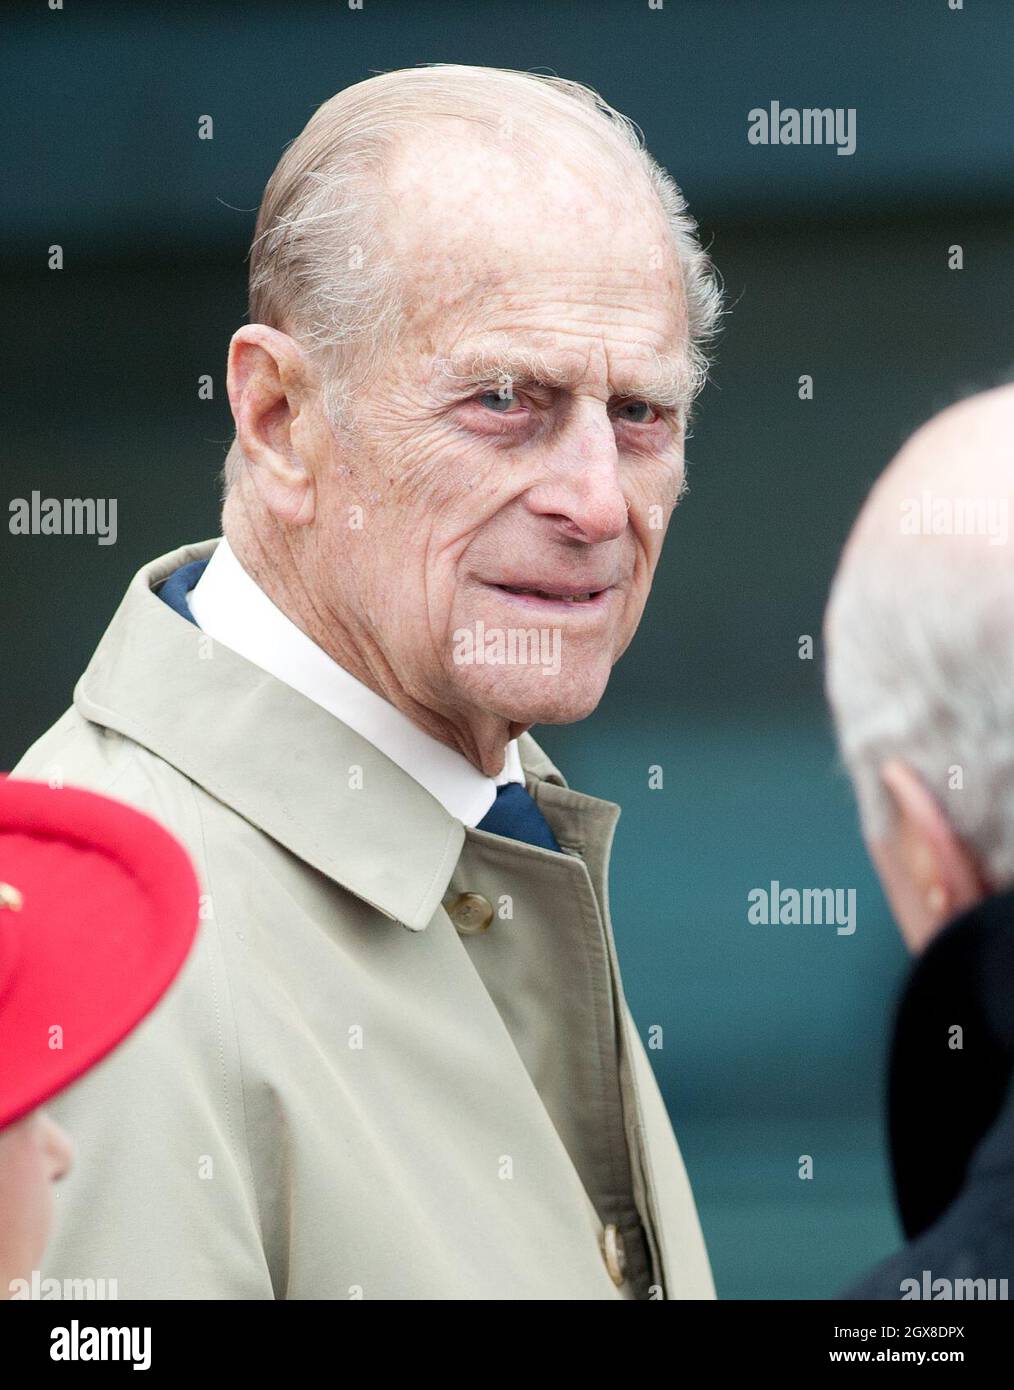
column 346, row 1093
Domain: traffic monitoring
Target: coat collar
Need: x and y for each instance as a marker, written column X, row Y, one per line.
column 232, row 608
column 277, row 758
column 945, row 1130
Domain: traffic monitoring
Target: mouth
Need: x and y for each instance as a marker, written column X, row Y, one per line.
column 554, row 596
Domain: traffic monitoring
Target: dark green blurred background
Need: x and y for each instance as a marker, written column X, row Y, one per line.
column 774, row 1037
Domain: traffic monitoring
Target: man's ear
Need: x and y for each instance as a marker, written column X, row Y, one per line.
column 943, row 876
column 269, row 385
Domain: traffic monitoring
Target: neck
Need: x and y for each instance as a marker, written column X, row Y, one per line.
column 267, row 555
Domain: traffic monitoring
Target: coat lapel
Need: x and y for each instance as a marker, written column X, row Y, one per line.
column 285, row 764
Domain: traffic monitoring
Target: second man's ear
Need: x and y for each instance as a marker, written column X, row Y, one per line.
column 943, row 875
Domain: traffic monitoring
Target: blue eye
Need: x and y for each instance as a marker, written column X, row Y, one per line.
column 638, row 412
column 500, row 401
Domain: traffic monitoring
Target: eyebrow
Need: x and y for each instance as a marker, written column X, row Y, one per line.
column 662, row 383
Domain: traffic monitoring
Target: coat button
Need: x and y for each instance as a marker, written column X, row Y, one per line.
column 614, row 1253
column 471, row 913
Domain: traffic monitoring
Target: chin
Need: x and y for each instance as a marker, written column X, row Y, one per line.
column 527, row 698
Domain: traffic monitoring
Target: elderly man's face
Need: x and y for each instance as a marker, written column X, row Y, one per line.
column 495, row 505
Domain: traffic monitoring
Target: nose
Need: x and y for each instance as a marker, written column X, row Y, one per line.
column 582, row 490
column 57, row 1148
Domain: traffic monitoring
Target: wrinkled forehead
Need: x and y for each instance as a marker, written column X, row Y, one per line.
column 473, row 215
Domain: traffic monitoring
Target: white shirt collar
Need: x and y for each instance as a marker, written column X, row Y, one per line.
column 232, row 609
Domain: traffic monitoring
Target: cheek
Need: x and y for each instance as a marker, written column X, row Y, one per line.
column 653, row 494
column 26, row 1209
column 436, row 466
column 649, row 536
column 428, row 600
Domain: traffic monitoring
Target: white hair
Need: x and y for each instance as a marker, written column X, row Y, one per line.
column 317, row 265
column 920, row 667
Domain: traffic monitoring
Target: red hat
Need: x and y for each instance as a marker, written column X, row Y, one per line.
column 98, row 909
